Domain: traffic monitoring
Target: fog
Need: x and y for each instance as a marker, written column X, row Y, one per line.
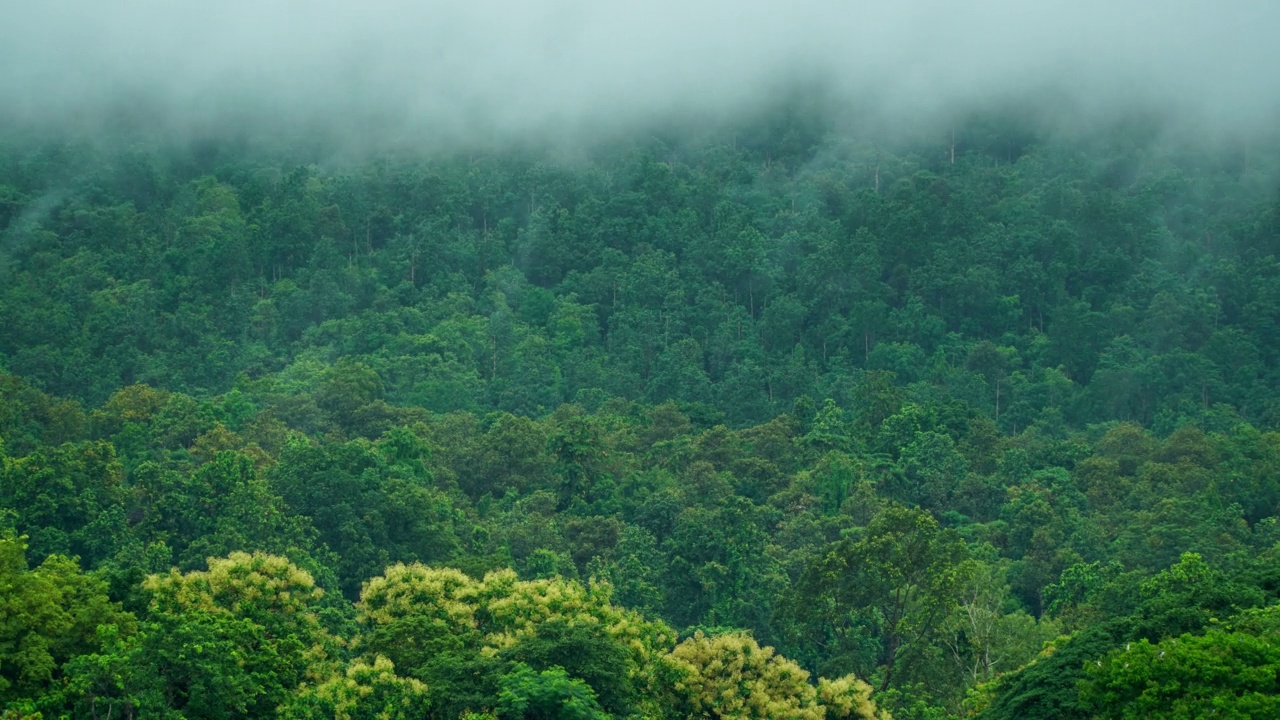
column 452, row 70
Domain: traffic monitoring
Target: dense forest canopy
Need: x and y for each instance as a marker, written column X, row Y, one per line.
column 903, row 410
column 783, row 416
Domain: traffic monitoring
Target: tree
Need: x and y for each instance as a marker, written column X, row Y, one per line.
column 730, row 676
column 346, row 388
column 902, row 578
column 551, row 694
column 932, row 469
column 585, row 652
column 1181, row 599
column 48, row 616
column 461, row 636
column 70, row 498
column 1223, row 674
column 364, row 691
column 233, row 641
column 983, row 637
column 230, row 508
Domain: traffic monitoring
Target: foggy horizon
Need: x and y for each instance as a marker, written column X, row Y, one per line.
column 454, row 71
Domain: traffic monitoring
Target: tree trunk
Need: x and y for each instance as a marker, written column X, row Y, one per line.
column 890, row 657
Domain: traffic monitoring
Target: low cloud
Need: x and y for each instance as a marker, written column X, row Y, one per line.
column 450, row 70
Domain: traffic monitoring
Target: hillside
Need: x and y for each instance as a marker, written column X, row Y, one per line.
column 963, row 423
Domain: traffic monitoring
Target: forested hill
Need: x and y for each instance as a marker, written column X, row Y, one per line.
column 982, row 423
column 1113, row 280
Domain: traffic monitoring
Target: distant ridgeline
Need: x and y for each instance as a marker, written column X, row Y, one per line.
column 779, row 424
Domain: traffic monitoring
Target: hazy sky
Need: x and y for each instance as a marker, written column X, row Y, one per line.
column 452, row 67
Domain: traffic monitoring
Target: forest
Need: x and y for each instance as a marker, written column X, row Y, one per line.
column 787, row 419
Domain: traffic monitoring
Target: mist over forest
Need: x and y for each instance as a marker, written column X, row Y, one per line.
column 586, row 360
column 445, row 72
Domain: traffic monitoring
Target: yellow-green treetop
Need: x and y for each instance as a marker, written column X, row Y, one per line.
column 731, row 676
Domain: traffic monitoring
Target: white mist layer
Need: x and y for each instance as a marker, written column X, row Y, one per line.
column 459, row 67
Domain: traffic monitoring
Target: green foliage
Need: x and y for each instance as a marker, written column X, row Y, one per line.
column 1218, row 674
column 1186, row 597
column 586, row 653
column 446, row 629
column 49, row 615
column 904, row 411
column 898, row 582
column 730, row 676
column 233, row 641
column 71, row 498
column 363, row 692
column 546, row 695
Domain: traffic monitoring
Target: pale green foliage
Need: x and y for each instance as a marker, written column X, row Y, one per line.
column 730, row 676
column 233, row 641
column 241, row 584
column 413, row 607
column 364, row 692
column 849, row 697
column 502, row 607
column 444, row 594
column 267, row 589
column 515, row 608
